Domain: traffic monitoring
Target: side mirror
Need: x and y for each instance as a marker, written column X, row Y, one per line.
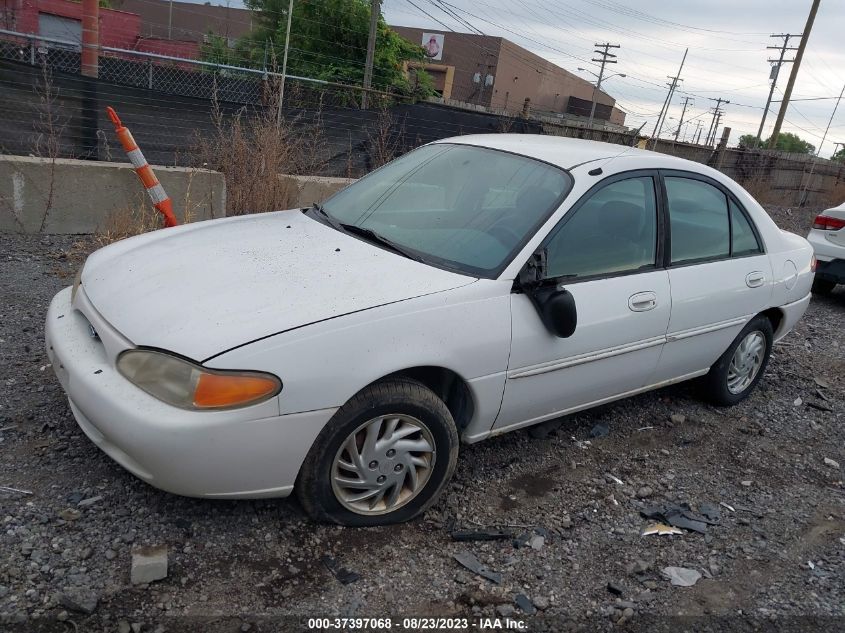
column 557, row 310
column 554, row 303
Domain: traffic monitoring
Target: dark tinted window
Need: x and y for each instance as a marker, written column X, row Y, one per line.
column 744, row 240
column 613, row 231
column 698, row 215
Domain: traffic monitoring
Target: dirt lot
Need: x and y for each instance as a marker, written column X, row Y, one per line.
column 775, row 560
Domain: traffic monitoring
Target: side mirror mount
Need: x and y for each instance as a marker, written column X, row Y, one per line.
column 554, row 304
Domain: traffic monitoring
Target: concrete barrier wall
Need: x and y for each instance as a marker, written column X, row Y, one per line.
column 78, row 196
column 306, row 190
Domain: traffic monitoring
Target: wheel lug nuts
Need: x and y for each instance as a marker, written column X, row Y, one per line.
column 373, row 465
column 381, row 479
column 391, row 453
column 398, row 468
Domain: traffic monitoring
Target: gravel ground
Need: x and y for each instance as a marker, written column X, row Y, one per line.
column 775, row 560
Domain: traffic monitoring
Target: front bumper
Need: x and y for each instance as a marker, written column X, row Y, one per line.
column 243, row 453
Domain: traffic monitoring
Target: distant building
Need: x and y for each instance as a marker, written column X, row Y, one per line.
column 499, row 75
column 152, row 26
column 187, row 21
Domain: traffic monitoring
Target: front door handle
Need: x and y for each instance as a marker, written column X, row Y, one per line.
column 755, row 279
column 643, row 301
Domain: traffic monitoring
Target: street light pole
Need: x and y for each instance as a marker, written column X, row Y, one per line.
column 605, row 55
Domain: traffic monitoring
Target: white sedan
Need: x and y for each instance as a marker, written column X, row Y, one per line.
column 827, row 237
column 474, row 286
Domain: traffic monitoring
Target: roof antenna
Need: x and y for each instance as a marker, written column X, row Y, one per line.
column 598, row 170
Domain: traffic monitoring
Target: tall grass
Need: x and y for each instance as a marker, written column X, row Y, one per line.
column 252, row 149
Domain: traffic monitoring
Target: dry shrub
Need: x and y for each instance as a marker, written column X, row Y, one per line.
column 836, row 195
column 385, row 140
column 252, row 150
column 760, row 188
column 134, row 218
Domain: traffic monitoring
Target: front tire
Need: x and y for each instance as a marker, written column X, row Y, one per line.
column 384, row 457
column 733, row 377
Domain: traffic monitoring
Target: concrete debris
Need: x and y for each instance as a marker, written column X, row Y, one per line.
column 343, row 575
column 79, row 600
column 482, row 534
column 600, row 430
column 681, row 576
column 70, row 514
column 468, row 560
column 524, row 604
column 89, row 502
column 148, row 564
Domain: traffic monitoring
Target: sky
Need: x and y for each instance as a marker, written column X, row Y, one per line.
column 727, row 57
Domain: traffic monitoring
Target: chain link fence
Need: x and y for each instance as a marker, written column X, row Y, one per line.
column 177, row 76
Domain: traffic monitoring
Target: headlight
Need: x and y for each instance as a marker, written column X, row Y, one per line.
column 77, row 281
column 189, row 386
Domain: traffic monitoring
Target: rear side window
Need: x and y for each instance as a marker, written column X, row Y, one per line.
column 744, row 240
column 698, row 217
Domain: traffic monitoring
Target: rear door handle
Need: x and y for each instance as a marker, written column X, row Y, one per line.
column 755, row 279
column 643, row 301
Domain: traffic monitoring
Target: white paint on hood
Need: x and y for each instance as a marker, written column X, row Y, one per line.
column 204, row 288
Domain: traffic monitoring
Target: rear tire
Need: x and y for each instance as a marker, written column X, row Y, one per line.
column 823, row 286
column 733, row 377
column 371, row 464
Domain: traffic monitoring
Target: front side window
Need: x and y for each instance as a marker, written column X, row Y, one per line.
column 698, row 216
column 613, row 231
column 462, row 207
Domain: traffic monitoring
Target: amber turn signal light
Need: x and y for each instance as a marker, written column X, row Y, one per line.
column 214, row 391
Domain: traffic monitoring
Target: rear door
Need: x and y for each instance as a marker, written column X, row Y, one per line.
column 718, row 271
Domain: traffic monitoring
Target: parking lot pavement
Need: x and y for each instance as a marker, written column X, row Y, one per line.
column 775, row 463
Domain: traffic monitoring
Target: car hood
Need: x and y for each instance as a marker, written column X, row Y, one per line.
column 201, row 289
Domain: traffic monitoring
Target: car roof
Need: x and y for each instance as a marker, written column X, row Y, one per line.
column 569, row 152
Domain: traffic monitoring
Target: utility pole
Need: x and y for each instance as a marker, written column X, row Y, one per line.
column 774, row 78
column 665, row 109
column 683, row 112
column 696, row 136
column 284, row 66
column 799, row 55
column 714, row 124
column 606, row 58
column 712, row 140
column 375, row 10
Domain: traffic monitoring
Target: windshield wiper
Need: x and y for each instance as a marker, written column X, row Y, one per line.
column 330, row 220
column 372, row 236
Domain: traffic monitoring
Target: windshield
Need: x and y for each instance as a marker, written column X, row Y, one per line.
column 465, row 208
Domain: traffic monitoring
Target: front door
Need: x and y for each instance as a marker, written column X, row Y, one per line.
column 607, row 253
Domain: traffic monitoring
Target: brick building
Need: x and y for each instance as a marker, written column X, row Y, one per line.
column 498, row 74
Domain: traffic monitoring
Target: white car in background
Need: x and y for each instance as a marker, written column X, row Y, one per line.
column 827, row 238
column 474, row 286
